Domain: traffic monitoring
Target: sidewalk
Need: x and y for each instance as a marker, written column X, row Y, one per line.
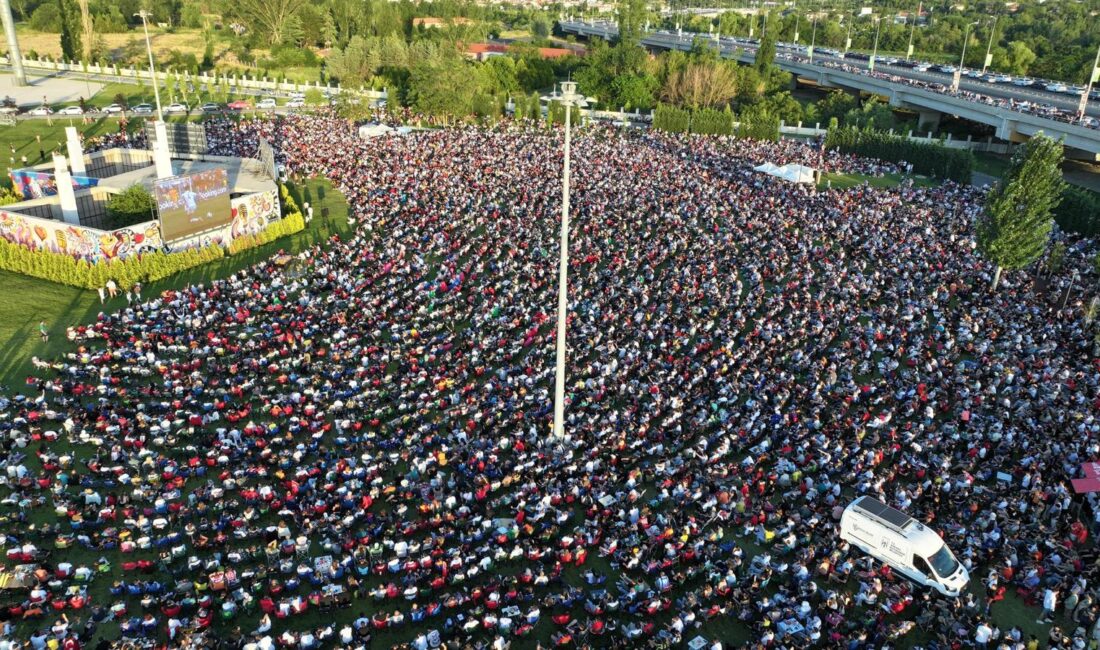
column 51, row 89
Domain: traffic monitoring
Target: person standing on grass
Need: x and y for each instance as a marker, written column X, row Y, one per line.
column 102, row 295
column 112, row 288
column 44, row 332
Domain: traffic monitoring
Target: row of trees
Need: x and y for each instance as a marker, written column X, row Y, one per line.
column 145, row 268
column 755, row 122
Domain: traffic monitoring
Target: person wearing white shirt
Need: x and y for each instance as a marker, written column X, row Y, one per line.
column 982, row 635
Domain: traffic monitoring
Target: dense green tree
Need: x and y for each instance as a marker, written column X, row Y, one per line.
column 765, row 53
column 355, row 64
column 442, row 85
column 836, row 104
column 540, row 27
column 1015, row 225
column 631, row 19
column 133, row 205
column 69, row 20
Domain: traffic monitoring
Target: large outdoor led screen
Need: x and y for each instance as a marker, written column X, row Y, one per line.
column 189, row 205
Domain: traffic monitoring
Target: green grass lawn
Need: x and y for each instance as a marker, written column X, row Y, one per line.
column 839, row 181
column 28, row 301
column 991, row 163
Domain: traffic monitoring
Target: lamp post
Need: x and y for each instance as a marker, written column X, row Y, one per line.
column 145, row 15
column 989, row 47
column 569, row 97
column 1093, row 77
column 813, row 39
column 874, row 52
column 955, row 78
column 913, row 31
column 848, row 40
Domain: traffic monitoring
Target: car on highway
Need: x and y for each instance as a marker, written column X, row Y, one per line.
column 922, row 67
column 71, row 110
column 949, row 69
column 1021, row 82
column 267, row 103
column 1095, row 94
column 41, row 110
column 114, row 108
column 1056, row 88
column 1074, row 90
column 296, row 103
column 211, row 107
column 177, row 107
column 142, row 109
column 239, row 105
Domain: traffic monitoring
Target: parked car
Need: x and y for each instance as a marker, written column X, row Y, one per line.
column 41, row 110
column 211, row 107
column 177, row 108
column 239, row 105
column 1056, row 88
column 921, row 67
column 949, row 69
column 267, row 103
column 114, row 108
column 1022, row 82
column 142, row 109
column 71, row 110
column 296, row 103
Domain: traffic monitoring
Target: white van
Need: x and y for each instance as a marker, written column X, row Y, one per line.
column 908, row 546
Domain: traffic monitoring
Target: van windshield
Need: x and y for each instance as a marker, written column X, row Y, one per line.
column 943, row 562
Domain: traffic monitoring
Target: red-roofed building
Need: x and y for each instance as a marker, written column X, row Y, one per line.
column 482, row 51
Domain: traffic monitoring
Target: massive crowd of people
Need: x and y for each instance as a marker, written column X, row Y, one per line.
column 362, row 451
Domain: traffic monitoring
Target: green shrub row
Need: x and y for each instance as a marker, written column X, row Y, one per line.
column 929, row 159
column 145, row 267
column 1079, row 212
column 757, row 124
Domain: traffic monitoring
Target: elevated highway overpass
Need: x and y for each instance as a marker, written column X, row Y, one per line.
column 897, row 84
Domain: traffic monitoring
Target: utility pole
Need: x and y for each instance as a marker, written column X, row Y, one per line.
column 14, row 55
column 1093, row 77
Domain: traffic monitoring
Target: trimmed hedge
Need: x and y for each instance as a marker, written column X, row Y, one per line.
column 671, row 119
column 929, row 159
column 1079, row 212
column 709, row 121
column 145, row 267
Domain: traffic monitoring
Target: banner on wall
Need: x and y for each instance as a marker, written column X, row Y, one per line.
column 31, row 184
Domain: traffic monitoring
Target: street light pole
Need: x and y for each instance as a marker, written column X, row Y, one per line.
column 874, row 52
column 1093, row 77
column 145, row 15
column 989, row 47
column 913, row 31
column 962, row 60
column 848, row 40
column 813, row 39
column 568, row 98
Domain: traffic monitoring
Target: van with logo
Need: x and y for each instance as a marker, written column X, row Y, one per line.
column 906, row 545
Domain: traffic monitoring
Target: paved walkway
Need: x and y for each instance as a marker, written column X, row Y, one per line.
column 53, row 90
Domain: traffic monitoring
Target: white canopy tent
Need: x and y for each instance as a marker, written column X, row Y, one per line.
column 792, row 172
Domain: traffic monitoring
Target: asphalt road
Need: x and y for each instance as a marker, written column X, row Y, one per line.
column 999, row 90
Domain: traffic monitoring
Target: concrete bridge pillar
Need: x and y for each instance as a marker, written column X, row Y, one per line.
column 928, row 120
column 1007, row 131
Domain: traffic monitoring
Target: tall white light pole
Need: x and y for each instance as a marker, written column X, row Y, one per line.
column 1094, row 76
column 813, row 39
column 145, row 15
column 14, row 55
column 874, row 51
column 568, row 98
column 989, row 47
column 962, row 60
column 913, row 31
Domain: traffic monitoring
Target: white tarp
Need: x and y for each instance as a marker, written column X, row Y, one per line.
column 374, row 130
column 793, row 172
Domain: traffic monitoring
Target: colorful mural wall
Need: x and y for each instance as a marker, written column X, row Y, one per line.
column 250, row 215
column 31, row 184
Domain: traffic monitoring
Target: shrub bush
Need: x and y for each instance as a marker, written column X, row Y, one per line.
column 671, row 119
column 712, row 122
